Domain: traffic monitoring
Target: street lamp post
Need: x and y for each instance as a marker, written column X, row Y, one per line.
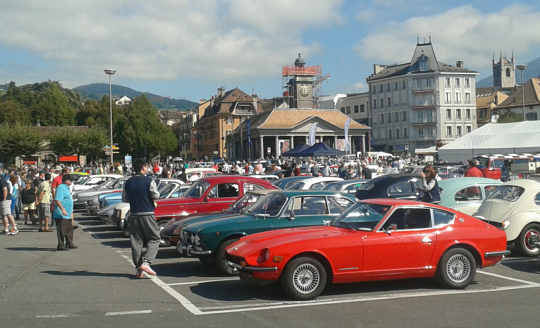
column 522, row 68
column 109, row 73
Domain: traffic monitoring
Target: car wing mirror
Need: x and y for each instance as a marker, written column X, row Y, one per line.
column 291, row 215
column 391, row 228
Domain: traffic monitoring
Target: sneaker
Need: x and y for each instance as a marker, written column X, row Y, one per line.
column 72, row 247
column 14, row 232
column 146, row 268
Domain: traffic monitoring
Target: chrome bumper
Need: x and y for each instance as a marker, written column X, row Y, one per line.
column 251, row 268
column 496, row 254
column 189, row 251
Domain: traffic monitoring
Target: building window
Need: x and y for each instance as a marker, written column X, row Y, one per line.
column 458, row 98
column 404, row 116
column 405, row 134
column 381, row 101
column 459, row 131
column 356, row 108
column 448, row 131
column 508, row 72
column 397, row 133
column 388, row 86
column 348, row 109
column 447, row 100
column 448, row 114
column 430, row 132
column 458, row 114
column 389, row 118
column 404, row 85
column 429, row 115
column 374, row 103
column 343, row 110
column 362, row 108
column 396, row 117
column 467, row 83
column 468, row 114
column 457, row 82
column 396, row 85
column 389, row 133
column 382, row 118
column 389, row 101
column 532, row 116
column 420, row 116
column 420, row 132
column 447, row 82
column 428, row 83
column 419, row 84
column 469, row 129
column 381, row 88
column 467, row 97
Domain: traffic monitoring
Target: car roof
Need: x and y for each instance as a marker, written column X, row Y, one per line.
column 319, row 179
column 459, row 183
column 233, row 178
column 293, row 193
column 525, row 183
column 348, row 182
column 403, row 202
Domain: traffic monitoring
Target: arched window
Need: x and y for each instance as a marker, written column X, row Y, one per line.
column 507, row 72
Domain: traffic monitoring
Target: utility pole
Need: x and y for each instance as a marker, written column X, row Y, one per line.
column 522, row 68
column 109, row 73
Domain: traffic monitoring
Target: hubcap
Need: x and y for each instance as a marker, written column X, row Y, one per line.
column 306, row 278
column 458, row 268
column 528, row 242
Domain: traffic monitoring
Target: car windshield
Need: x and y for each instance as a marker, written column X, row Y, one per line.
column 362, row 216
column 244, row 203
column 506, row 192
column 82, row 180
column 197, row 189
column 270, row 204
column 334, row 186
column 366, row 186
column 165, row 189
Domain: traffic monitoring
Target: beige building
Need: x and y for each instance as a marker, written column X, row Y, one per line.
column 355, row 105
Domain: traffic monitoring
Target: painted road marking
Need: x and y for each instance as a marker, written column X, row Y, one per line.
column 54, row 316
column 111, row 314
column 508, row 278
column 202, row 281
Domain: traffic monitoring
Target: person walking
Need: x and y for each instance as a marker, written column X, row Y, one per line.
column 5, row 207
column 63, row 215
column 44, row 201
column 141, row 193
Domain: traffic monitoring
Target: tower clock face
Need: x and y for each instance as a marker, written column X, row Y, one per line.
column 305, row 90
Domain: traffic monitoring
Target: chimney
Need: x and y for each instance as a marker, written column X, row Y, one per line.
column 459, row 64
column 220, row 91
column 377, row 68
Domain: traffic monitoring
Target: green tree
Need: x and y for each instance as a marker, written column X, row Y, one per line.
column 509, row 117
column 12, row 112
column 92, row 142
column 17, row 140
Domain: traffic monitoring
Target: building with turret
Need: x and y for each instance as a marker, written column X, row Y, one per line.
column 504, row 72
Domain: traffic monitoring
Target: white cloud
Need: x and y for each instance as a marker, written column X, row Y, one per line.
column 359, row 86
column 460, row 33
column 167, row 39
column 366, row 15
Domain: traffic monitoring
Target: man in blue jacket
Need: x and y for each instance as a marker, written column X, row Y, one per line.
column 141, row 193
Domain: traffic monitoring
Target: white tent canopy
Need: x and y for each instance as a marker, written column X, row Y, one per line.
column 500, row 138
column 426, row 151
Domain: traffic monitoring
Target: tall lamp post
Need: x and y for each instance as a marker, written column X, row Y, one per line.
column 522, row 68
column 109, row 73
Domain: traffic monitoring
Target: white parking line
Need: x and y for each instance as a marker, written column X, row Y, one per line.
column 202, row 281
column 111, row 314
column 508, row 278
column 54, row 316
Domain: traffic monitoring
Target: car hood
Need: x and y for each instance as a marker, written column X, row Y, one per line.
column 196, row 219
column 219, row 223
column 494, row 210
column 91, row 193
column 270, row 239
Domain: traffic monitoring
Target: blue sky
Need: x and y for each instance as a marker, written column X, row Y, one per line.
column 186, row 49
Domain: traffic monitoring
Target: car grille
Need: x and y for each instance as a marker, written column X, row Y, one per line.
column 235, row 259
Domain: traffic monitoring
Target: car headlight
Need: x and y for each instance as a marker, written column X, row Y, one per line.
column 505, row 224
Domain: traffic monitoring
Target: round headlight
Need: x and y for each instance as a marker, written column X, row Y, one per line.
column 505, row 224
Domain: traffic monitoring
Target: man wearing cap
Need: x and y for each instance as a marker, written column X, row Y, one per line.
column 473, row 170
column 63, row 214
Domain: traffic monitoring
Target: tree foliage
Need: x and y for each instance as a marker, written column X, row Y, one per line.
column 68, row 141
column 17, row 140
column 509, row 116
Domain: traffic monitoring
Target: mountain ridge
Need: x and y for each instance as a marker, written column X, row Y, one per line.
column 96, row 91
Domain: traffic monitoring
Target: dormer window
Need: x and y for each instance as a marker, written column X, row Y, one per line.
column 423, row 63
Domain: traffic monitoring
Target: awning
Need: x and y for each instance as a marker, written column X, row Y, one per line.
column 73, row 158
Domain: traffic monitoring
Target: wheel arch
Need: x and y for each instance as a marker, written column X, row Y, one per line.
column 468, row 246
column 320, row 257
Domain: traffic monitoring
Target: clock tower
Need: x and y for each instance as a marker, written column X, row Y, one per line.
column 299, row 82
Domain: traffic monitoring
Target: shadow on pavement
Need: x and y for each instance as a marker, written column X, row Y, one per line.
column 102, row 229
column 167, row 253
column 27, row 249
column 89, row 274
column 108, row 235
column 185, row 269
column 118, row 243
column 527, row 264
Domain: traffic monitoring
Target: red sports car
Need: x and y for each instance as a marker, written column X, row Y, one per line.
column 377, row 239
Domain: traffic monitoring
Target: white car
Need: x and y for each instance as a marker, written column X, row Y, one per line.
column 93, row 181
column 315, row 183
column 515, row 207
column 268, row 177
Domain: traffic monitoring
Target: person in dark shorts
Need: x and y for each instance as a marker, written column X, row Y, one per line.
column 141, row 193
column 63, row 214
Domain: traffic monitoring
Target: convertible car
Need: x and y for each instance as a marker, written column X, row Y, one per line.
column 378, row 239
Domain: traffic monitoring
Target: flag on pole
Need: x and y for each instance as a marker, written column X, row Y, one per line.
column 312, row 132
column 346, row 128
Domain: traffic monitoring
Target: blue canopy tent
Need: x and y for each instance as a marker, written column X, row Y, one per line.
column 319, row 149
column 295, row 150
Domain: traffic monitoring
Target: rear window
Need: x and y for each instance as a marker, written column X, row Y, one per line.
column 507, row 193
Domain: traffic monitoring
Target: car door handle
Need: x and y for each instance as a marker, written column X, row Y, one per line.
column 427, row 240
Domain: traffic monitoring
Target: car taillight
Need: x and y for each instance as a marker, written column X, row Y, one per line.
column 264, row 255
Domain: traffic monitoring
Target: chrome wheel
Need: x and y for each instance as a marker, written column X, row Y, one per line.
column 531, row 247
column 306, row 278
column 458, row 268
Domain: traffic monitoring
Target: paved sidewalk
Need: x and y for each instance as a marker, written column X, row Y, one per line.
column 36, row 281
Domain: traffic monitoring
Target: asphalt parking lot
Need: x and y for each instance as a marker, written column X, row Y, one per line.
column 499, row 297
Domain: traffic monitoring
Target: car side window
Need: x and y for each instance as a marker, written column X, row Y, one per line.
column 537, row 199
column 488, row 190
column 224, row 190
column 312, row 205
column 336, row 205
column 441, row 217
column 251, row 186
column 409, row 218
column 318, row 186
column 351, row 189
column 468, row 194
column 400, row 188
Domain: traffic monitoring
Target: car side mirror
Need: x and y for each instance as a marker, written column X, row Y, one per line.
column 291, row 215
column 392, row 227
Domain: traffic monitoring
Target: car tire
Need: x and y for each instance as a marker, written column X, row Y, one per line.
column 523, row 240
column 457, row 268
column 304, row 278
column 207, row 260
column 221, row 260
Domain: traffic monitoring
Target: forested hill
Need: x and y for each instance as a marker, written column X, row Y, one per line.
column 97, row 90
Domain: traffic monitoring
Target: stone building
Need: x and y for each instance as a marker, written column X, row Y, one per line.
column 421, row 103
column 504, row 73
column 523, row 102
column 356, row 105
